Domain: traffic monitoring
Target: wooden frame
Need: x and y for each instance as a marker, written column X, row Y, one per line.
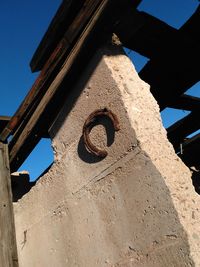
column 8, row 248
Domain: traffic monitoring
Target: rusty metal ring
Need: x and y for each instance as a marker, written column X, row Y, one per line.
column 88, row 125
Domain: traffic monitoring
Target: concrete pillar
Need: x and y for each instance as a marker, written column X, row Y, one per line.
column 137, row 207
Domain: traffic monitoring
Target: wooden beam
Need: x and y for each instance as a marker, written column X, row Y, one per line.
column 8, row 248
column 182, row 128
column 50, row 69
column 191, row 151
column 144, row 33
column 4, row 121
column 191, row 26
column 61, row 21
column 152, row 37
column 171, row 77
column 190, row 141
column 186, row 102
column 5, row 118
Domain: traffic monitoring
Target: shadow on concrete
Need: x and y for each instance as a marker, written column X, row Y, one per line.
column 20, row 182
column 21, row 185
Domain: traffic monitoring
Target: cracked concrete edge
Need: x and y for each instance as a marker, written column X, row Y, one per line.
column 177, row 175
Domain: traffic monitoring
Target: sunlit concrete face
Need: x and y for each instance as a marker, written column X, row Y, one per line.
column 132, row 208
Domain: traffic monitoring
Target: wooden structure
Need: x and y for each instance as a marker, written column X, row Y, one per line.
column 8, row 249
column 77, row 30
column 4, row 121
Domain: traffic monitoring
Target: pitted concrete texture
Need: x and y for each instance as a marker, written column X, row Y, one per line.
column 137, row 207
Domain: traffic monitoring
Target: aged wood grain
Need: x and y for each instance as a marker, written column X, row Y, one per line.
column 8, row 249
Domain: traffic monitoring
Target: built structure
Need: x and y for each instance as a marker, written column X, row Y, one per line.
column 135, row 205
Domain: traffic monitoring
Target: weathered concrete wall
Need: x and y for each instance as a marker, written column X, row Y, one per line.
column 136, row 207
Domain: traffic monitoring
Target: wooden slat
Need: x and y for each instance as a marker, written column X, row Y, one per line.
column 61, row 21
column 144, row 33
column 191, row 26
column 8, row 249
column 5, row 118
column 152, row 37
column 171, row 77
column 191, row 151
column 50, row 69
column 186, row 102
column 4, row 121
column 184, row 127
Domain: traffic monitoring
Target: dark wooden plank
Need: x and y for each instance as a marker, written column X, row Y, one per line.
column 4, row 121
column 61, row 21
column 186, row 102
column 152, row 37
column 191, row 151
column 184, row 127
column 8, row 249
column 190, row 141
column 144, row 33
column 5, row 118
column 50, row 69
column 191, row 26
column 171, row 77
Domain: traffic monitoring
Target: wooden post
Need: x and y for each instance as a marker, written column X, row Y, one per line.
column 8, row 248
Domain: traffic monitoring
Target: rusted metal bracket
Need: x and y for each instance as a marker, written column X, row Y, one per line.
column 89, row 124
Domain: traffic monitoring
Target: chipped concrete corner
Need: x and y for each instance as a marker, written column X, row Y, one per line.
column 136, row 207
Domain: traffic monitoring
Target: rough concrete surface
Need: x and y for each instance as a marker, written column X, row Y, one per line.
column 137, row 207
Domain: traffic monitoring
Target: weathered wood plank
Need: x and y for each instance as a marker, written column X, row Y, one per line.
column 61, row 21
column 50, row 69
column 8, row 249
column 186, row 102
column 191, row 26
column 191, row 151
column 144, row 33
column 171, row 77
column 5, row 118
column 182, row 128
column 4, row 121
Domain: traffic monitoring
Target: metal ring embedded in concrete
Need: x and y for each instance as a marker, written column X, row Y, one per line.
column 88, row 125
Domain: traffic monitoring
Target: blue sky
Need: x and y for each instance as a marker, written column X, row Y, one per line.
column 23, row 24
